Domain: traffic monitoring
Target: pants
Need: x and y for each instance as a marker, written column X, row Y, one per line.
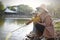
column 38, row 29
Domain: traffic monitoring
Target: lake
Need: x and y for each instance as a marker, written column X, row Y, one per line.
column 9, row 25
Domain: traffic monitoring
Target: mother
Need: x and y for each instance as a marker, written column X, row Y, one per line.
column 49, row 32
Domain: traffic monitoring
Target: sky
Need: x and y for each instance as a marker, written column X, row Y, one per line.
column 31, row 3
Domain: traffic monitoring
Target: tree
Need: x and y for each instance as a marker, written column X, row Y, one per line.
column 24, row 8
column 1, row 10
column 54, row 10
column 12, row 8
column 1, row 6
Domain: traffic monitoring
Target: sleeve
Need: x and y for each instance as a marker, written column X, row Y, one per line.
column 47, row 21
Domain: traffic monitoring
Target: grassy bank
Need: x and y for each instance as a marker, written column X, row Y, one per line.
column 57, row 26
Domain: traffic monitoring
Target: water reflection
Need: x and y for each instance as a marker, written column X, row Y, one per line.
column 1, row 22
column 10, row 25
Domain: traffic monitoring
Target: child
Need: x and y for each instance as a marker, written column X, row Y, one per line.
column 38, row 29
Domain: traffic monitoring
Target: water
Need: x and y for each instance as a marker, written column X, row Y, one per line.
column 9, row 25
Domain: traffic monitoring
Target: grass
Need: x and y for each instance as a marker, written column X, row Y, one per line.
column 57, row 26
